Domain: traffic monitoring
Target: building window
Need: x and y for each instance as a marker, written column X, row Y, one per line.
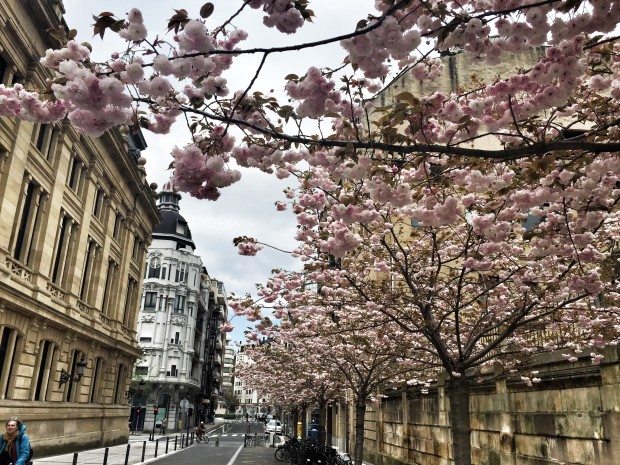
column 44, row 137
column 142, row 371
column 176, row 338
column 3, row 69
column 146, row 339
column 118, row 223
column 65, row 241
column 179, row 304
column 43, row 370
column 154, row 268
column 88, row 276
column 120, row 384
column 130, row 297
column 150, row 300
column 10, row 349
column 109, row 287
column 99, row 202
column 93, row 396
column 173, row 371
column 28, row 221
column 181, row 273
column 75, row 173
column 135, row 252
column 181, row 228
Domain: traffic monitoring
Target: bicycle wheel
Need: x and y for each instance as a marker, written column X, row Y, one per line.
column 281, row 454
column 205, row 439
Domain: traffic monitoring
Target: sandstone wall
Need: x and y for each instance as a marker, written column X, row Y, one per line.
column 571, row 418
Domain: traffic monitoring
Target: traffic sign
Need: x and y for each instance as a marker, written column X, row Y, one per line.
column 184, row 404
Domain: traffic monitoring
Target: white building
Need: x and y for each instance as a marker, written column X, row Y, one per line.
column 227, row 377
column 251, row 402
column 179, row 332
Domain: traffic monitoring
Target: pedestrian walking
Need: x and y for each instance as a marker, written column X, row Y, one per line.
column 14, row 444
column 162, row 428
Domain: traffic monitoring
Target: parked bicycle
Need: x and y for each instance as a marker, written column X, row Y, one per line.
column 257, row 439
column 310, row 453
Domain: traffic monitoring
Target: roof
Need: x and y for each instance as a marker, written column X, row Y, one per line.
column 174, row 227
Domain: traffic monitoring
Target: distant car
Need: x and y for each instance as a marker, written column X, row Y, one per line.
column 273, row 426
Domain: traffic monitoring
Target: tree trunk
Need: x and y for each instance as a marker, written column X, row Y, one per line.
column 322, row 422
column 360, row 410
column 458, row 393
column 328, row 426
column 295, row 419
column 304, row 429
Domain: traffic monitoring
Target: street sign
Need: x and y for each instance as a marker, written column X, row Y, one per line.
column 184, row 404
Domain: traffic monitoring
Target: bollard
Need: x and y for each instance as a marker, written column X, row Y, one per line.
column 217, row 441
column 105, row 456
column 167, row 441
column 192, row 438
column 156, row 446
column 182, row 441
column 127, row 453
column 143, row 451
column 75, row 456
column 175, row 443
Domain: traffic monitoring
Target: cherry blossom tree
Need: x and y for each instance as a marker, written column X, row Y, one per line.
column 480, row 269
column 326, row 348
column 293, row 376
column 481, row 253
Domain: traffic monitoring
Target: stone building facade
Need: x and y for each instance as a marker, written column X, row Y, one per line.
column 227, row 377
column 250, row 401
column 181, row 314
column 76, row 215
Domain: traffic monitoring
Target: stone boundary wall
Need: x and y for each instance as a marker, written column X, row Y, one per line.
column 571, row 418
column 72, row 427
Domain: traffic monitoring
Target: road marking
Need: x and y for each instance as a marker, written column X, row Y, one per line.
column 234, row 457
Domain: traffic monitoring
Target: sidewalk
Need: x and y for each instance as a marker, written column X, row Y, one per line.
column 139, row 447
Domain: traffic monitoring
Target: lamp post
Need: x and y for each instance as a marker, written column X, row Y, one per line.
column 66, row 377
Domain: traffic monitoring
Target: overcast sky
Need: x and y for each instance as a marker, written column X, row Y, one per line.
column 246, row 208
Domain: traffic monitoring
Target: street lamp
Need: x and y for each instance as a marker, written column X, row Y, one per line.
column 79, row 371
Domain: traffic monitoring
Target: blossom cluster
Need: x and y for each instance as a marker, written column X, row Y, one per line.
column 280, row 14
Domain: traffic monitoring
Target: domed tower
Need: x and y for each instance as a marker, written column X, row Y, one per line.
column 173, row 226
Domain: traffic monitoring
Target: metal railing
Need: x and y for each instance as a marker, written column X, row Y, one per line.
column 163, row 446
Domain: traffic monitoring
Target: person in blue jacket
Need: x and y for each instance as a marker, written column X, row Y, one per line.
column 14, row 444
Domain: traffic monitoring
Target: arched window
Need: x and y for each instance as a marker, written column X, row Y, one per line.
column 10, row 349
column 119, row 386
column 44, row 367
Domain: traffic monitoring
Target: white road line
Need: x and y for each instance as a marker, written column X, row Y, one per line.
column 234, row 457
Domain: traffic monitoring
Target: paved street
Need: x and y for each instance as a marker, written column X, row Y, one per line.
column 230, row 450
column 228, row 437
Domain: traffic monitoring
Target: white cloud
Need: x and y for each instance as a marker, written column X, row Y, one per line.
column 246, row 208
